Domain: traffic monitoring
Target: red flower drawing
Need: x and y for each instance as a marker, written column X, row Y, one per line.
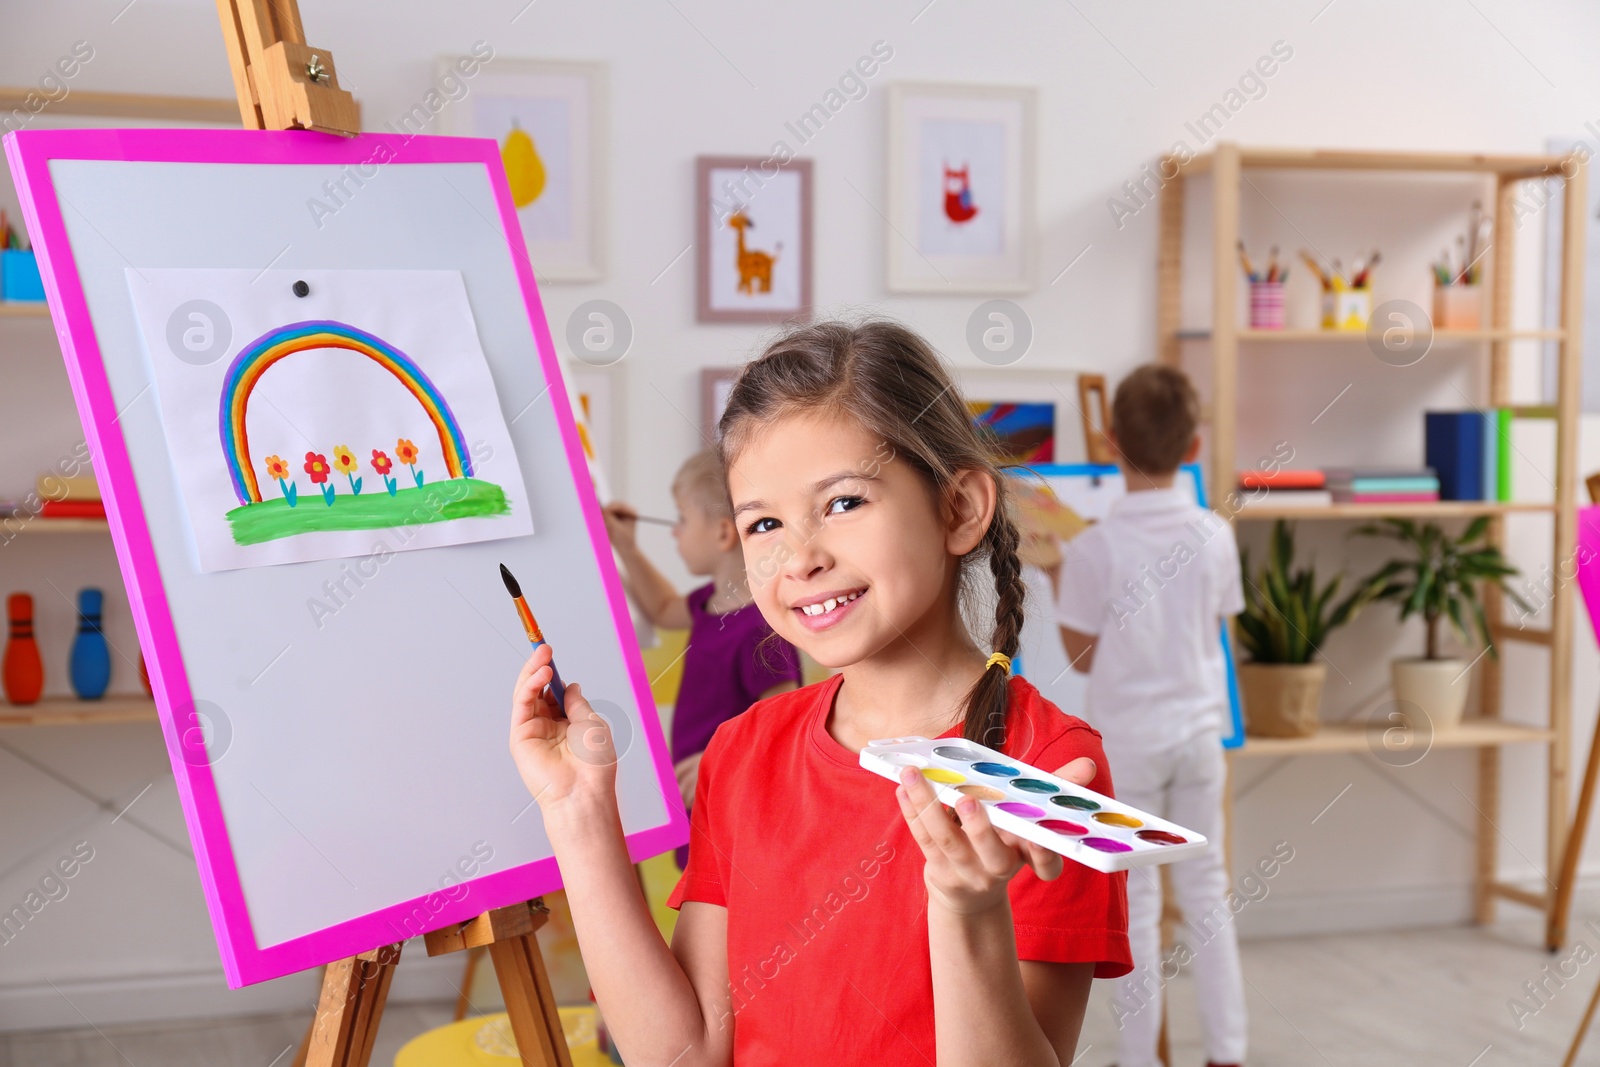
column 317, row 467
column 380, row 462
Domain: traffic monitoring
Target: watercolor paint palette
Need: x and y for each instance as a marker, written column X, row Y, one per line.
column 1084, row 826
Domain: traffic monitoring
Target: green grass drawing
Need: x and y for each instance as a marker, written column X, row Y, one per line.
column 459, row 498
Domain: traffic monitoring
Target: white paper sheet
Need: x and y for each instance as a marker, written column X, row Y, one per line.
column 199, row 326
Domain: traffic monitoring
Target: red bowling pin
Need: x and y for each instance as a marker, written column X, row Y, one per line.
column 24, row 671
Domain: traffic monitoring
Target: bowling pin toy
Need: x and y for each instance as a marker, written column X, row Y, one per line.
column 23, row 671
column 91, row 659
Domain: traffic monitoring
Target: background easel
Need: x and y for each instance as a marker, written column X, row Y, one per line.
column 1566, row 880
column 282, row 83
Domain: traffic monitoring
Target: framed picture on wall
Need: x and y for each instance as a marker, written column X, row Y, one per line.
column 1032, row 416
column 597, row 394
column 715, row 385
column 549, row 119
column 752, row 239
column 961, row 188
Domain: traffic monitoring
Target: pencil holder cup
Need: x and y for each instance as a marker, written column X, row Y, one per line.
column 1346, row 309
column 1266, row 305
column 1458, row 307
column 19, row 276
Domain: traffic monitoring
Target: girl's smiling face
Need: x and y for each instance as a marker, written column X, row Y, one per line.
column 847, row 549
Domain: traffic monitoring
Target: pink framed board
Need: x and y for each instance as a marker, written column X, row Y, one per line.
column 323, row 405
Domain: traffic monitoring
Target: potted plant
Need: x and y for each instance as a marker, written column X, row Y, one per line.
column 1440, row 582
column 1285, row 622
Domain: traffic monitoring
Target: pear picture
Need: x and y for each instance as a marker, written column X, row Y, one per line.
column 524, row 168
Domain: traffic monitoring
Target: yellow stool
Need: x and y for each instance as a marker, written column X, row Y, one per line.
column 486, row 1041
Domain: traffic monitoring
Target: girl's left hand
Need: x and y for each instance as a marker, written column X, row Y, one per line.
column 969, row 863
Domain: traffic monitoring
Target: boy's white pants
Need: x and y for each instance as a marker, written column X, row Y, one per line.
column 1183, row 784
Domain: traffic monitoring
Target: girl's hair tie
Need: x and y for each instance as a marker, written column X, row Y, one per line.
column 1002, row 659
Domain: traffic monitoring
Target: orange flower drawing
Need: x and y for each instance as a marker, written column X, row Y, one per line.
column 277, row 468
column 406, row 453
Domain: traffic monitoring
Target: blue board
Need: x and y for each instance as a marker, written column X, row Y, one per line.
column 1090, row 490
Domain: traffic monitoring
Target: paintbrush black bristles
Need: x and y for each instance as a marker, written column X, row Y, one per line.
column 511, row 583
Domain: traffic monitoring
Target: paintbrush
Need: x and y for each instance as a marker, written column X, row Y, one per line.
column 535, row 636
column 1322, row 275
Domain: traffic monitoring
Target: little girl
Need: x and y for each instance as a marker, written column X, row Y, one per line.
column 733, row 658
column 819, row 921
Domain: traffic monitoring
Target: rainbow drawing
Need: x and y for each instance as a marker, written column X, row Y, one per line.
column 264, row 351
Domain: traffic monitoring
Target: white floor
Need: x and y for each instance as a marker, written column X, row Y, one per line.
column 1437, row 996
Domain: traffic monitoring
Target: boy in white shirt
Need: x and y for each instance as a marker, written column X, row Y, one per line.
column 1141, row 599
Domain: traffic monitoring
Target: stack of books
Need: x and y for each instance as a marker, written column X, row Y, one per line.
column 1284, row 489
column 1383, row 485
column 1471, row 450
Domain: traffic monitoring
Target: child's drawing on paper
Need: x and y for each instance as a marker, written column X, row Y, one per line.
column 258, row 519
column 358, row 415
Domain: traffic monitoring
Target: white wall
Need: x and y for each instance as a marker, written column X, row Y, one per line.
column 1117, row 84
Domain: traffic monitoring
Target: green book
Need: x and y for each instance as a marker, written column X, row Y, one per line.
column 1502, row 459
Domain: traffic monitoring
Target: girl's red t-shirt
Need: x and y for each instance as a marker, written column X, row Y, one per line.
column 827, row 910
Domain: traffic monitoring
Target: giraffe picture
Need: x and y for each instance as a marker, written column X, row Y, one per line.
column 753, row 239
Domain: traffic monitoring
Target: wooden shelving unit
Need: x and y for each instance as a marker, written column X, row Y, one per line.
column 38, row 525
column 1246, row 335
column 1358, row 737
column 1226, row 337
column 66, row 711
column 1444, row 509
column 178, row 111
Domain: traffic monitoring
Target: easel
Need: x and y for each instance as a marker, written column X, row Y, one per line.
column 1572, row 850
column 354, row 991
column 281, row 82
column 1096, row 419
column 284, row 84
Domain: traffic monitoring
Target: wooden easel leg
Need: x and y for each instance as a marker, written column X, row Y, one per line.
column 508, row 934
column 535, row 1020
column 1583, row 1028
column 351, row 1006
column 1555, row 931
column 463, row 1001
column 305, row 1045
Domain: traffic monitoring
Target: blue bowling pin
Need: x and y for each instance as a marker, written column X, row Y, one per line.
column 91, row 660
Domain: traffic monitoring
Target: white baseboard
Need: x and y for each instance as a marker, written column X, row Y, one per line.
column 1357, row 911
column 1363, row 911
column 119, row 999
column 115, row 1000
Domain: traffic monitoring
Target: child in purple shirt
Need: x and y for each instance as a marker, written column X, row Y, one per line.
column 733, row 658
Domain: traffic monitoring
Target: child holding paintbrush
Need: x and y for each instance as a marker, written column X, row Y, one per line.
column 828, row 916
column 733, row 658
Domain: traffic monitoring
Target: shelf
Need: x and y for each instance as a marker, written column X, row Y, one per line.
column 1358, row 737
column 1444, row 509
column 38, row 525
column 24, row 309
column 1360, row 336
column 70, row 711
column 1524, row 166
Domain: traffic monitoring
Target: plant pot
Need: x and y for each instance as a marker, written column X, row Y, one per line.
column 1437, row 686
column 1281, row 699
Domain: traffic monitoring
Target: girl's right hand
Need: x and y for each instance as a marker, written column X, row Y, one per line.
column 622, row 525
column 562, row 761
